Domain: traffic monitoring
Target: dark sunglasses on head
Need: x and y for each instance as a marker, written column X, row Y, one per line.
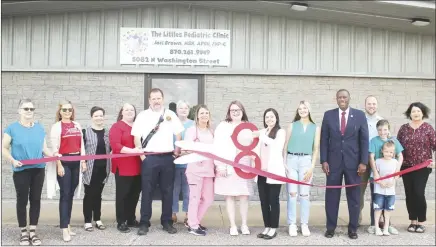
column 28, row 109
column 67, row 109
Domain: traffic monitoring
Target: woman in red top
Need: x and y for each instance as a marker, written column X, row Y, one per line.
column 127, row 170
column 66, row 139
column 419, row 141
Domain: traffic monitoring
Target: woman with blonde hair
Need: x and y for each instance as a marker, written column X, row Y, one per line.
column 300, row 152
column 22, row 140
column 180, row 181
column 66, row 139
column 200, row 175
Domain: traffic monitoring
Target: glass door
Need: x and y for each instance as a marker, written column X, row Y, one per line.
column 189, row 88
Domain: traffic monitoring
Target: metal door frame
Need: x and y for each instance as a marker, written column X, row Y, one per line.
column 148, row 84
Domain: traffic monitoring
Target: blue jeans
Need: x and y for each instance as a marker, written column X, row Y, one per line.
column 68, row 184
column 384, row 202
column 180, row 183
column 297, row 167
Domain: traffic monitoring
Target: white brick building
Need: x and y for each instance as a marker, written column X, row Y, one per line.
column 55, row 50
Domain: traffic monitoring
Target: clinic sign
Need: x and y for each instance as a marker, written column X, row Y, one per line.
column 206, row 47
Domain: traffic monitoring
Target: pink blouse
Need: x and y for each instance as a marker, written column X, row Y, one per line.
column 203, row 168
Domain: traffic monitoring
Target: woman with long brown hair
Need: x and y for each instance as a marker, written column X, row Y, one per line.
column 127, row 170
column 227, row 182
column 67, row 139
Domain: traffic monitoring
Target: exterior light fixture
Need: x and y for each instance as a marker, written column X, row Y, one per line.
column 420, row 22
column 299, row 6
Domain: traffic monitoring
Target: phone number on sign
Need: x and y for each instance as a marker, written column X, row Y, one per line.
column 190, row 52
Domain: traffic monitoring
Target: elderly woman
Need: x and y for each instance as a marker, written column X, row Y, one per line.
column 419, row 142
column 96, row 139
column 180, row 181
column 22, row 140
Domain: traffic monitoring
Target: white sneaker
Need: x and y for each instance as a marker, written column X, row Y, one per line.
column 371, row 229
column 386, row 231
column 234, row 231
column 245, row 230
column 392, row 230
column 378, row 232
column 293, row 230
column 305, row 230
column 66, row 235
column 70, row 231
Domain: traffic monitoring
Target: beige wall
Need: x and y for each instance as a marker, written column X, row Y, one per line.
column 257, row 93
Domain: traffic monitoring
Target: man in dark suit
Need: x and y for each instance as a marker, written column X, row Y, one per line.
column 344, row 153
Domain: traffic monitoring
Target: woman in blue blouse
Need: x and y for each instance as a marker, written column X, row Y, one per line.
column 22, row 140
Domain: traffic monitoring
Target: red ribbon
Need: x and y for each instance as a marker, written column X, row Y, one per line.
column 214, row 157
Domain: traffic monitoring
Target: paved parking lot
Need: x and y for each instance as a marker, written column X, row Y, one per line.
column 217, row 222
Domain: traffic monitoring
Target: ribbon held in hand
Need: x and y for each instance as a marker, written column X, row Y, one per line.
column 201, row 151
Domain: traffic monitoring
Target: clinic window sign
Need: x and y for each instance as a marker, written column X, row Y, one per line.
column 169, row 46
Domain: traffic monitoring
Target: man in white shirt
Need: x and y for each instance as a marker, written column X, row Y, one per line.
column 153, row 131
column 371, row 106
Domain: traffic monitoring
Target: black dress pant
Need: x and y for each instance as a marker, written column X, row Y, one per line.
column 414, row 186
column 269, row 195
column 127, row 193
column 333, row 196
column 28, row 186
column 93, row 191
column 157, row 169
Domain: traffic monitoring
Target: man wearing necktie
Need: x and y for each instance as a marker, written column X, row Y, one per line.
column 344, row 154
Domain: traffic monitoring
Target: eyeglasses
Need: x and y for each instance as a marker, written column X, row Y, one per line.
column 235, row 110
column 67, row 109
column 28, row 109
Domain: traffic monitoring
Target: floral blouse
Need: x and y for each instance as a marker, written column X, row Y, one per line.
column 418, row 143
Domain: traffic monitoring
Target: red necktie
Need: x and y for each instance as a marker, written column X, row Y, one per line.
column 343, row 123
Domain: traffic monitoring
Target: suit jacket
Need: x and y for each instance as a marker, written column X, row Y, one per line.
column 350, row 148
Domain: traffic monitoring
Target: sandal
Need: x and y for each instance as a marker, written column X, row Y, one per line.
column 24, row 239
column 99, row 226
column 88, row 227
column 34, row 238
column 185, row 222
column 420, row 229
column 412, row 228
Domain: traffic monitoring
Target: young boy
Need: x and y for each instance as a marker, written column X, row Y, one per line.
column 375, row 147
column 384, row 190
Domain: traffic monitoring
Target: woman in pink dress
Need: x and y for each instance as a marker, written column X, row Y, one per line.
column 227, row 182
column 200, row 174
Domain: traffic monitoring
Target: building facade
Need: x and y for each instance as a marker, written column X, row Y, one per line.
column 277, row 58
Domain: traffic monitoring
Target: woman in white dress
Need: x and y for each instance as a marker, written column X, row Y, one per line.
column 227, row 182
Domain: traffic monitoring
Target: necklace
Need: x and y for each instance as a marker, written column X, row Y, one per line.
column 30, row 125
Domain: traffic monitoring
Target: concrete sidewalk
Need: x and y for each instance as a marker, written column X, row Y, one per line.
column 217, row 221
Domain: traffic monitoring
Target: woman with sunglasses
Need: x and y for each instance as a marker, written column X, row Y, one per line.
column 22, row 140
column 67, row 140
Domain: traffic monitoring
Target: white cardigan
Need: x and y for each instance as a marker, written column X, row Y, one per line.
column 55, row 139
column 276, row 163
